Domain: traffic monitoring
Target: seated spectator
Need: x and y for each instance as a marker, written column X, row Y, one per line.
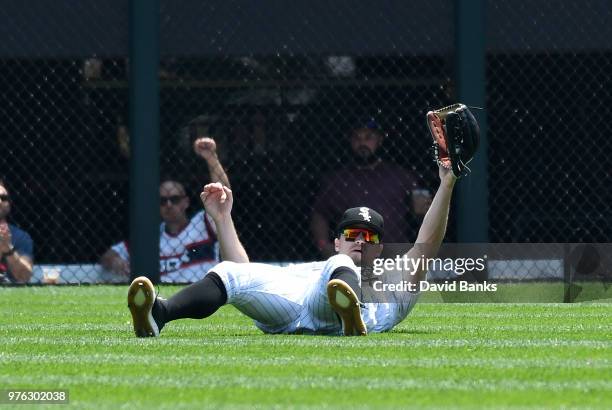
column 188, row 246
column 16, row 245
column 368, row 181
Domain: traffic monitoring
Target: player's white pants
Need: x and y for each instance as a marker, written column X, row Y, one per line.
column 293, row 299
column 290, row 299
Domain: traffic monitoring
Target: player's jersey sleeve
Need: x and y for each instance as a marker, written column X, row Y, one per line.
column 339, row 261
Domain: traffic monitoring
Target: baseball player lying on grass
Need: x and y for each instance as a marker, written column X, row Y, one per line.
column 308, row 298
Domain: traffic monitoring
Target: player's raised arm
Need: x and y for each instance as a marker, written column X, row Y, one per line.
column 218, row 200
column 455, row 134
column 433, row 229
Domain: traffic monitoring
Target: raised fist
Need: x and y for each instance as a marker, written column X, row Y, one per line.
column 217, row 200
column 205, row 147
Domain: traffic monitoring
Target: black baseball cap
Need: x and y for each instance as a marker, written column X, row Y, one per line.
column 362, row 217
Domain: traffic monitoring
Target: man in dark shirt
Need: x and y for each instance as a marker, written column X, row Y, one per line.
column 369, row 182
column 16, row 246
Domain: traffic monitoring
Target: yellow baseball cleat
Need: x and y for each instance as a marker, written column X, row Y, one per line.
column 346, row 304
column 141, row 297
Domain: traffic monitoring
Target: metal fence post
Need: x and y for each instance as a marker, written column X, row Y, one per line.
column 472, row 208
column 144, row 132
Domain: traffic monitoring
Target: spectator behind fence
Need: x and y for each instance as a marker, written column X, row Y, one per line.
column 16, row 245
column 188, row 246
column 368, row 181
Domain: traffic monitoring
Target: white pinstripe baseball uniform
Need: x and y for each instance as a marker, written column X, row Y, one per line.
column 293, row 299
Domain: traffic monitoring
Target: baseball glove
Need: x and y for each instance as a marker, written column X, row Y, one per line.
column 455, row 135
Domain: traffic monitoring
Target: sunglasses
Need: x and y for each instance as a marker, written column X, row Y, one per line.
column 350, row 234
column 5, row 198
column 173, row 199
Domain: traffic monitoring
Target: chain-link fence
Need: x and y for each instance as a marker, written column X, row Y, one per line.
column 63, row 170
column 546, row 75
column 313, row 110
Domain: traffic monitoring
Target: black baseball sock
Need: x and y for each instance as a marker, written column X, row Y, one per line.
column 197, row 301
column 349, row 276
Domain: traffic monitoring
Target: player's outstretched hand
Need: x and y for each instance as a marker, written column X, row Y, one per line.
column 217, row 200
column 205, row 147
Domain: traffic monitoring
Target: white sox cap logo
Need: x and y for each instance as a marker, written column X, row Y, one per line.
column 362, row 217
column 365, row 213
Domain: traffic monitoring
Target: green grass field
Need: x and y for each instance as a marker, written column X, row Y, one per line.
column 478, row 355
